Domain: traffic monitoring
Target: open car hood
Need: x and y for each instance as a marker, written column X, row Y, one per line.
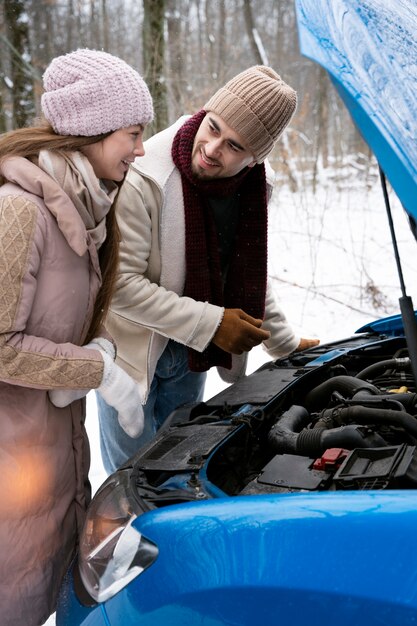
column 369, row 48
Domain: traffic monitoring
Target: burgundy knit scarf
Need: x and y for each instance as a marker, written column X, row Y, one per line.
column 245, row 286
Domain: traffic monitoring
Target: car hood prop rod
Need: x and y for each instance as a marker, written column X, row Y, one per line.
column 406, row 303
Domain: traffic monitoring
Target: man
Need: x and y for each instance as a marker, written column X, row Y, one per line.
column 192, row 289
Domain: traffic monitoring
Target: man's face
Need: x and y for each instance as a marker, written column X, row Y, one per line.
column 218, row 151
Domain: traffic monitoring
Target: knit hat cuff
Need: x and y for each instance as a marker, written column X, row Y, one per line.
column 258, row 105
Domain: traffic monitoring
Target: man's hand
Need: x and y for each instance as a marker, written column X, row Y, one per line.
column 239, row 332
column 305, row 344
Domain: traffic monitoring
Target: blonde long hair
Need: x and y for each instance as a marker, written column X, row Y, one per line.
column 27, row 143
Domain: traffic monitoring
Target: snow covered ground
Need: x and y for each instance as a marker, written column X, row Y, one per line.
column 333, row 270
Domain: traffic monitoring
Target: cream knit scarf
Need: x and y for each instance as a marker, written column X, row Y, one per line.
column 75, row 175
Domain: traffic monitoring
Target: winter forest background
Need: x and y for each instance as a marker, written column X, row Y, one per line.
column 185, row 49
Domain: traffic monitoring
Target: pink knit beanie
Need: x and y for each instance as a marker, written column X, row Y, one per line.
column 89, row 92
column 258, row 105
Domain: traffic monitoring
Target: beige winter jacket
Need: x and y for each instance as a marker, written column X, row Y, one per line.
column 49, row 278
column 148, row 307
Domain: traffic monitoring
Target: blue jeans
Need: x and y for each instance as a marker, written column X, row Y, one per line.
column 173, row 385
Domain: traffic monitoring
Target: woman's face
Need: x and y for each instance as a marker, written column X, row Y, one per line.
column 110, row 158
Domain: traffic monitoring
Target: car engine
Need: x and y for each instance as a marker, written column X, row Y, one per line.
column 339, row 417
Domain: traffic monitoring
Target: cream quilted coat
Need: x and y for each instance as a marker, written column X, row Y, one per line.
column 49, row 278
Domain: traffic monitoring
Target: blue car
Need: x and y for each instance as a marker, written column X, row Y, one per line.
column 291, row 496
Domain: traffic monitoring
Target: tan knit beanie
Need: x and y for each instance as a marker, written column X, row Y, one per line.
column 258, row 105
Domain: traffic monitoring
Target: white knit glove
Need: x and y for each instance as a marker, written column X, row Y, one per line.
column 121, row 392
column 104, row 344
column 64, row 397
column 117, row 388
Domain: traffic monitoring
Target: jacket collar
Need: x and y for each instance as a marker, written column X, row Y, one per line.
column 32, row 179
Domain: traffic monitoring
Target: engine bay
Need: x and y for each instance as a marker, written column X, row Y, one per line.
column 339, row 417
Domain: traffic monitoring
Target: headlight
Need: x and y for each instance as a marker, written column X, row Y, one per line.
column 112, row 552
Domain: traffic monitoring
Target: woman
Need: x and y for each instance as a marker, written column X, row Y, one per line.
column 58, row 257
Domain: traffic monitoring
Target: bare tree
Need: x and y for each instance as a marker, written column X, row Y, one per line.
column 176, row 58
column 254, row 40
column 321, row 115
column 105, row 25
column 3, row 75
column 221, row 40
column 17, row 38
column 43, row 34
column 210, row 39
column 154, row 59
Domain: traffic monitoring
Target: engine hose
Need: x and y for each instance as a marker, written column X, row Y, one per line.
column 285, row 435
column 315, row 442
column 347, row 385
column 377, row 368
column 324, row 422
column 370, row 415
column 408, row 401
